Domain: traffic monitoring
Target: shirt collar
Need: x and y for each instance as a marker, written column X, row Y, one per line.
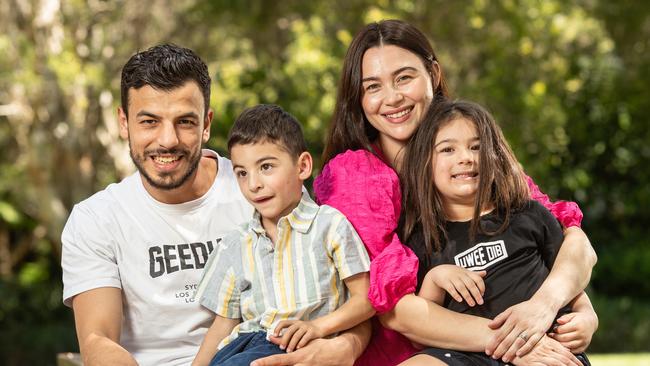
column 300, row 218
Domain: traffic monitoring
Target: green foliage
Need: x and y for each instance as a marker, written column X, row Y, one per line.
column 568, row 81
column 624, row 325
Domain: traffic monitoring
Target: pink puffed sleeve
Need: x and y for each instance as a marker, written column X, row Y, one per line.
column 367, row 192
column 568, row 213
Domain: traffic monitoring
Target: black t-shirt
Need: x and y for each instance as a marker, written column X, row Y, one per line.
column 517, row 260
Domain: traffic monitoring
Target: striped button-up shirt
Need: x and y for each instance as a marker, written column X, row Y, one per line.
column 300, row 277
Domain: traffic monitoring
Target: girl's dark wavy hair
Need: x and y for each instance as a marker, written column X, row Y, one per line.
column 502, row 183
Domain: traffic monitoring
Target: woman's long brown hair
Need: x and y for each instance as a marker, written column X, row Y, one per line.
column 501, row 179
column 349, row 128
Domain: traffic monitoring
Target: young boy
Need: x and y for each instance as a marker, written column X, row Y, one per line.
column 283, row 273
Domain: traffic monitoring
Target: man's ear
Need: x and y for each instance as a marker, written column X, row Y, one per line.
column 124, row 125
column 207, row 122
column 305, row 165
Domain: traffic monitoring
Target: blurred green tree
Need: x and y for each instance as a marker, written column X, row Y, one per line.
column 567, row 81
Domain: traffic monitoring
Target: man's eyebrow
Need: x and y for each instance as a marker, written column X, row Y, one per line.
column 147, row 114
column 153, row 115
column 188, row 115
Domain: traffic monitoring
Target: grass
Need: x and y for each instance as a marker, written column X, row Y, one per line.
column 620, row 359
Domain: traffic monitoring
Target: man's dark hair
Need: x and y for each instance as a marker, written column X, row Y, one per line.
column 165, row 67
column 268, row 123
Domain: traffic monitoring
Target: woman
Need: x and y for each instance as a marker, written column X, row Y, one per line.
column 390, row 77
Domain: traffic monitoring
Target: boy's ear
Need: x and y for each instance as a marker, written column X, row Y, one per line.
column 305, row 164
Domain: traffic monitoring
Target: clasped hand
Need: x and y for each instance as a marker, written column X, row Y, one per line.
column 295, row 334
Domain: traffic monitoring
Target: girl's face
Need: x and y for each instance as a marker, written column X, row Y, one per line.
column 397, row 91
column 456, row 162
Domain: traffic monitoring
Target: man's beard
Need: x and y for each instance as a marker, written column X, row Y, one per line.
column 161, row 182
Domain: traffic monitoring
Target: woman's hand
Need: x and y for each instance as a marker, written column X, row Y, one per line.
column 547, row 352
column 460, row 283
column 574, row 330
column 518, row 329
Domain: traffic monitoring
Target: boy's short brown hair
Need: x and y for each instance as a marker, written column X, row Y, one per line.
column 268, row 122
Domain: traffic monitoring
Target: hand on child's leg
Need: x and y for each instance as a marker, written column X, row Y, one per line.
column 297, row 333
column 574, row 331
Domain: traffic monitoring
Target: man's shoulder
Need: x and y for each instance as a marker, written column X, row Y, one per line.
column 112, row 195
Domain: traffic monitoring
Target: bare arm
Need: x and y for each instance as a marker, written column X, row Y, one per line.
column 430, row 291
column 342, row 350
column 521, row 326
column 98, row 320
column 220, row 329
column 575, row 330
column 427, row 323
column 571, row 271
column 461, row 284
column 354, row 311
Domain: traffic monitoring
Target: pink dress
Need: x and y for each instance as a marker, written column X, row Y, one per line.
column 367, row 191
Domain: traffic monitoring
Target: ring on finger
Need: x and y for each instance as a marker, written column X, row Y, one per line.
column 523, row 336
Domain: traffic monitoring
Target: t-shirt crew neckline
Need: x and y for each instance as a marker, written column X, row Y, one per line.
column 193, row 204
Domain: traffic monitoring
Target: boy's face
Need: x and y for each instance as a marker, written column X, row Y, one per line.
column 270, row 178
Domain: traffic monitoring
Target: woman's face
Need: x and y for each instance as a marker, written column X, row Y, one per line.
column 397, row 91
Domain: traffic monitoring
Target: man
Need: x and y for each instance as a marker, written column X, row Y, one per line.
column 134, row 252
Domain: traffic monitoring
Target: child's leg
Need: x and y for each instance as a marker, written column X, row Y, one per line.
column 439, row 356
column 255, row 347
column 422, row 360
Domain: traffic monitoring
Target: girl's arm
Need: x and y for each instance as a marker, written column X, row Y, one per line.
column 221, row 327
column 461, row 284
column 574, row 330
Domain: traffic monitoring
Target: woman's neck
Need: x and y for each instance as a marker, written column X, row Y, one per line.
column 393, row 151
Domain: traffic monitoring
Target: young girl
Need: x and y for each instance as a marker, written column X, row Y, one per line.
column 469, row 218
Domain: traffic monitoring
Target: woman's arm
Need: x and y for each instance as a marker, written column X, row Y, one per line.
column 520, row 327
column 427, row 323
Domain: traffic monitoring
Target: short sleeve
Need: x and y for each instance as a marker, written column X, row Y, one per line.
column 346, row 248
column 568, row 213
column 88, row 254
column 550, row 235
column 367, row 192
column 220, row 287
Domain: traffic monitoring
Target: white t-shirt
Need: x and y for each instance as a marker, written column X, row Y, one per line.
column 155, row 252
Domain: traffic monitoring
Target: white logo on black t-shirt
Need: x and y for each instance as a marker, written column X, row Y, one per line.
column 482, row 255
